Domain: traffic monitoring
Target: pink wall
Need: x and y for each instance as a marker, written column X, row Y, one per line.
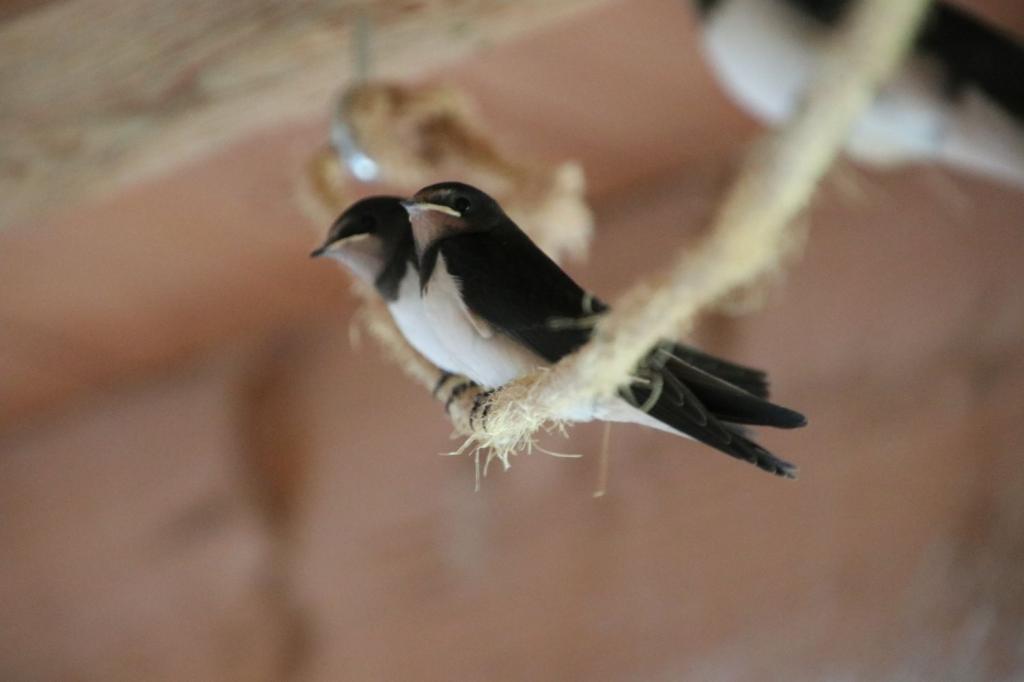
column 200, row 478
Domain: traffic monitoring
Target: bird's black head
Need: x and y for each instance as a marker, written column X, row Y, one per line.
column 445, row 211
column 473, row 209
column 372, row 237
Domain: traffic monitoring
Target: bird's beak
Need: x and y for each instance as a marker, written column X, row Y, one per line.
column 414, row 207
column 341, row 233
column 335, row 244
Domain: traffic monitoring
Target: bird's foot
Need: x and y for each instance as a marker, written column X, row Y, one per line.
column 481, row 408
column 441, row 381
column 463, row 384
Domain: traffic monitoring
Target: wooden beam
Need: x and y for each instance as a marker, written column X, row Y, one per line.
column 89, row 105
column 216, row 251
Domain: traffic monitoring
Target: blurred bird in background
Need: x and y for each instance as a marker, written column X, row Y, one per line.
column 959, row 99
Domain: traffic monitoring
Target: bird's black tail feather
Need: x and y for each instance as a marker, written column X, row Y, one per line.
column 697, row 423
column 706, row 408
column 726, row 401
column 744, row 448
column 751, row 380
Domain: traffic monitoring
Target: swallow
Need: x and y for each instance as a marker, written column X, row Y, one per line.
column 373, row 239
column 957, row 100
column 503, row 308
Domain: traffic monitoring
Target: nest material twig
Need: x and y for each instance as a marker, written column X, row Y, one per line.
column 748, row 238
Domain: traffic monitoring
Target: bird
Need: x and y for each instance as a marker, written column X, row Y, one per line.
column 504, row 308
column 373, row 239
column 957, row 100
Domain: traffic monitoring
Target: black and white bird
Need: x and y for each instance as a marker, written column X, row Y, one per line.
column 373, row 239
column 502, row 308
column 958, row 100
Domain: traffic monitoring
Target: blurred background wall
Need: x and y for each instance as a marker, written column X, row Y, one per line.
column 203, row 478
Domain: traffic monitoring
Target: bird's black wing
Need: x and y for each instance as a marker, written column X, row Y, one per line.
column 509, row 283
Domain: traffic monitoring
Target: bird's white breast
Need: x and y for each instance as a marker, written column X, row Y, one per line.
column 488, row 359
column 410, row 316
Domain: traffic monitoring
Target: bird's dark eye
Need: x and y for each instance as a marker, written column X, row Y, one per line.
column 368, row 223
column 461, row 204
